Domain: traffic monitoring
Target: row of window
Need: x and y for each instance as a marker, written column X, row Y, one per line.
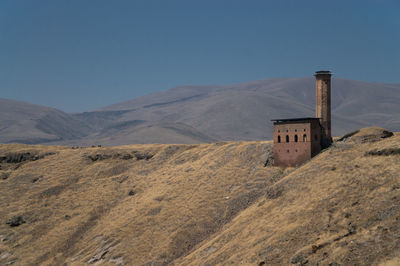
column 288, row 130
column 296, row 138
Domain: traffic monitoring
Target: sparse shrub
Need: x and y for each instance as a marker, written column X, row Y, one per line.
column 159, row 198
column 4, row 176
column 273, row 193
column 383, row 152
column 16, row 221
column 53, row 191
column 116, row 155
column 27, row 178
column 120, row 179
column 143, row 156
column 269, row 161
column 299, row 259
column 154, row 211
column 98, row 157
column 18, row 157
column 126, row 156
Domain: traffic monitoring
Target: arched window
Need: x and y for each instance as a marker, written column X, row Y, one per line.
column 296, row 138
column 279, row 139
column 304, row 138
column 287, row 138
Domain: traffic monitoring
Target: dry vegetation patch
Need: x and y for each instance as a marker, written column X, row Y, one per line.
column 206, row 204
column 125, row 205
column 341, row 208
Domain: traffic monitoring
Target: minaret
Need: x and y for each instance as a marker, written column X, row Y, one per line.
column 323, row 105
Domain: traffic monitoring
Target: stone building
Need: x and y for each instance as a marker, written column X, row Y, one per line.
column 297, row 140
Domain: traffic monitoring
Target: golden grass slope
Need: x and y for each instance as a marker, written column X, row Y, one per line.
column 79, row 208
column 205, row 204
column 341, row 208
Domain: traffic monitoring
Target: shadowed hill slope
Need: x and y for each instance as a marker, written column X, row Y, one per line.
column 204, row 204
column 142, row 132
column 28, row 123
column 32, row 124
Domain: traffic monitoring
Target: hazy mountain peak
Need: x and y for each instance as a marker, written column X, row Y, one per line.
column 234, row 112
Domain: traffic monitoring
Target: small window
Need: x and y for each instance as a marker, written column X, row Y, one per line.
column 279, row 131
column 287, row 138
column 279, row 139
column 304, row 138
column 296, row 150
column 287, row 151
column 316, row 137
column 287, row 130
column 304, row 130
column 295, row 130
column 296, row 138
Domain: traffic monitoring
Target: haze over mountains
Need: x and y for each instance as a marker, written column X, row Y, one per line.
column 195, row 114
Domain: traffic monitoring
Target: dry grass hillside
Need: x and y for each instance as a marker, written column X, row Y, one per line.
column 123, row 205
column 341, row 208
column 204, row 204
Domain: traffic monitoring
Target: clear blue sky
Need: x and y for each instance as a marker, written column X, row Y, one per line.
column 79, row 55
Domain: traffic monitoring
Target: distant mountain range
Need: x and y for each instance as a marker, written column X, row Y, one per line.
column 195, row 114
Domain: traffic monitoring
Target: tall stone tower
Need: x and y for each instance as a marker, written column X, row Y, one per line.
column 323, row 105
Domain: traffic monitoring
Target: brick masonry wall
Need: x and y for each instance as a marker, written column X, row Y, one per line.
column 294, row 153
column 323, row 105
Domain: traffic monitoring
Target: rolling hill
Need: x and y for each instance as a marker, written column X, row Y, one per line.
column 198, row 114
column 200, row 204
column 28, row 123
column 244, row 111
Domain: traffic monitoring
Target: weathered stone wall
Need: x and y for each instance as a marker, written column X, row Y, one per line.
column 323, row 105
column 292, row 152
